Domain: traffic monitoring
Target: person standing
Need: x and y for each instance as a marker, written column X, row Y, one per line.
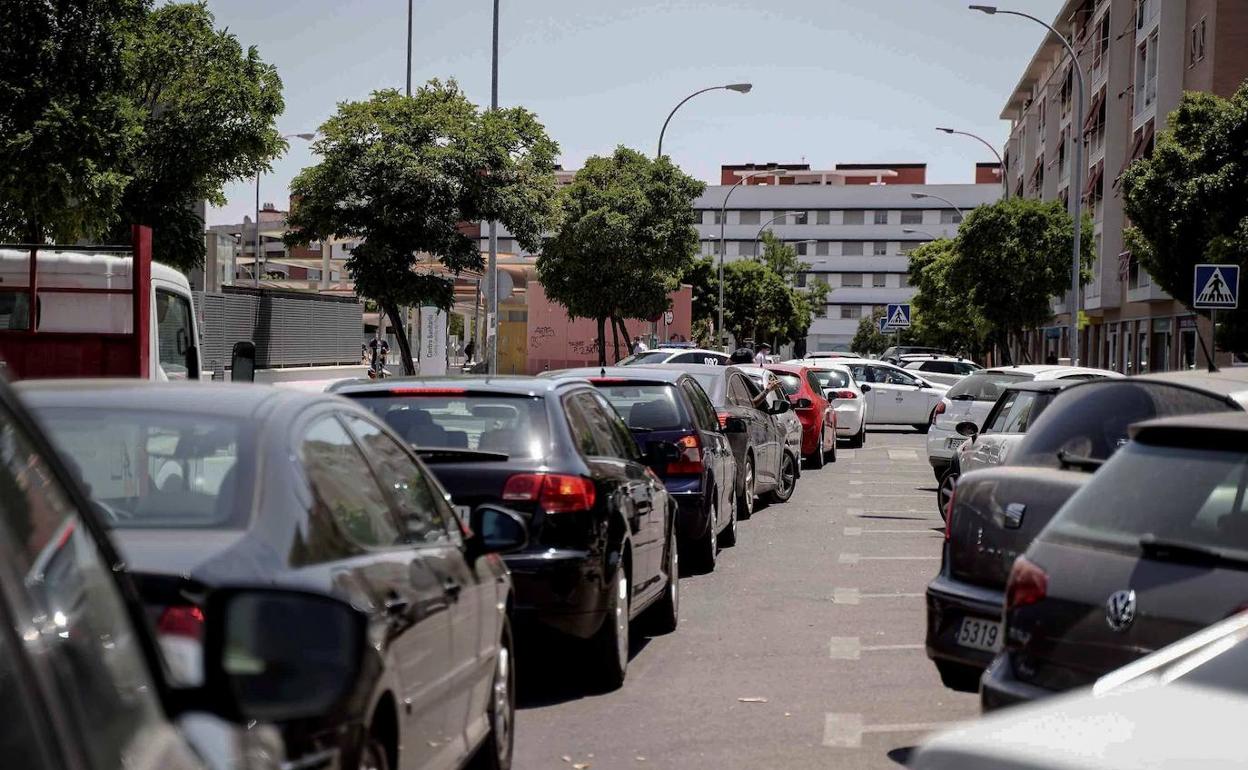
column 639, row 346
column 761, row 357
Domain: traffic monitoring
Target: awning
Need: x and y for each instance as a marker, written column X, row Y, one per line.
column 1094, row 178
column 1098, row 101
column 1038, row 169
column 1142, row 142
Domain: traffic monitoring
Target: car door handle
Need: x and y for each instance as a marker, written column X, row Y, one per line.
column 451, row 587
column 396, row 605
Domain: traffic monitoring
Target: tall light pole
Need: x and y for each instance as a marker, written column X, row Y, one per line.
column 723, row 244
column 741, row 88
column 946, row 201
column 913, row 231
column 767, row 224
column 491, row 283
column 1076, row 175
column 255, row 263
column 1000, row 161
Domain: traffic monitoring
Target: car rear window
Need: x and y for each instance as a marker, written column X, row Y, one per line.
column 985, row 386
column 158, row 470
column 1136, row 496
column 830, row 379
column 1091, row 420
column 712, row 384
column 434, row 418
column 791, row 383
column 646, row 407
column 649, row 357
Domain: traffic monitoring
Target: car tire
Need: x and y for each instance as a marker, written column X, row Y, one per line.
column 816, row 460
column 924, row 428
column 786, row 480
column 608, row 653
column 959, row 676
column 745, row 500
column 373, row 754
column 706, row 546
column 496, row 751
column 831, row 454
column 664, row 615
column 728, row 537
column 945, row 490
column 860, row 438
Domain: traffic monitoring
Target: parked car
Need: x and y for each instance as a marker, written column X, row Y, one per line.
column 1015, row 410
column 208, row 485
column 669, row 407
column 896, row 397
column 603, row 547
column 947, row 370
column 814, row 411
column 766, row 466
column 84, row 676
column 894, row 353
column 1178, row 707
column 1154, row 547
column 790, row 424
column 676, row 355
column 971, row 399
column 996, row 512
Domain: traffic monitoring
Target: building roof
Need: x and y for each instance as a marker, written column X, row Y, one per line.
column 893, row 196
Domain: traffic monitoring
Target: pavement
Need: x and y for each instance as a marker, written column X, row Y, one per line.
column 804, row 649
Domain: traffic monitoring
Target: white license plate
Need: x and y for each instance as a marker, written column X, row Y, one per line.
column 954, row 442
column 980, row 634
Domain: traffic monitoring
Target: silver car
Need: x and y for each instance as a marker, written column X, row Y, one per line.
column 946, row 370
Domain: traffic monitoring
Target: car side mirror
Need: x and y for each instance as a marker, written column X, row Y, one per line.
column 276, row 655
column 495, row 530
column 734, row 425
column 243, row 362
column 968, row 429
column 659, row 453
column 803, row 403
column 780, row 407
column 864, row 387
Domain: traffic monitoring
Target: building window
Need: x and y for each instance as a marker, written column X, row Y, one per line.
column 1145, row 11
column 879, row 280
column 854, row 249
column 851, row 312
column 719, row 220
column 751, row 218
column 880, row 248
column 915, row 217
column 747, row 248
column 854, row 280
column 802, row 218
column 801, row 248
column 856, row 218
column 1198, row 44
column 1146, row 74
column 951, row 217
column 710, row 247
column 881, row 218
column 905, row 278
column 825, row 218
column 907, row 247
column 821, row 249
column 1100, row 46
column 800, row 278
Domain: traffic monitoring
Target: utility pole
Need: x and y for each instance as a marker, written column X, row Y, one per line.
column 491, row 276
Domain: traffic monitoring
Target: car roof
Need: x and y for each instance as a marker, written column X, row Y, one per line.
column 1052, row 371
column 1217, row 431
column 692, row 368
column 909, row 357
column 637, row 372
column 1232, row 382
column 1041, row 386
column 510, row 384
column 210, row 398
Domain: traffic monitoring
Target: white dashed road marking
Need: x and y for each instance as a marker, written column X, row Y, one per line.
column 854, row 596
column 851, row 647
column 845, row 731
column 858, row 531
column 853, row 558
column 902, row 454
column 860, row 495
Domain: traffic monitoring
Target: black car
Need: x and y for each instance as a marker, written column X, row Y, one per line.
column 602, row 525
column 664, row 406
column 1153, row 548
column 209, row 485
column 765, row 464
column 997, row 512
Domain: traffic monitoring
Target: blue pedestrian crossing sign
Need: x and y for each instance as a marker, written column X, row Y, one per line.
column 897, row 317
column 1216, row 287
column 883, row 324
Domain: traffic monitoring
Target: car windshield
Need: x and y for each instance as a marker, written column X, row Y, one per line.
column 649, row 357
column 985, row 386
column 1135, row 497
column 830, row 379
column 158, row 470
column 789, row 383
column 434, row 418
column 1091, row 421
column 646, row 407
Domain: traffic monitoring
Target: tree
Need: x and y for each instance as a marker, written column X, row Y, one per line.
column 1013, row 257
column 870, row 341
column 402, row 173
column 1189, row 202
column 627, row 237
column 943, row 317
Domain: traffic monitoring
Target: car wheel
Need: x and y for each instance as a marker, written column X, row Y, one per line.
column 816, row 458
column 831, row 455
column 945, row 491
column 706, row 547
column 609, row 654
column 373, row 755
column 787, row 481
column 728, row 538
column 958, row 676
column 745, row 500
column 496, row 751
column 857, row 440
column 664, row 616
column 924, row 428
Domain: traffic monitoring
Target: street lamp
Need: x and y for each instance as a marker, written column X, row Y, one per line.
column 1076, row 175
column 723, row 217
column 741, row 88
column 255, row 264
column 491, row 283
column 986, row 143
column 920, row 196
column 913, row 231
column 767, row 224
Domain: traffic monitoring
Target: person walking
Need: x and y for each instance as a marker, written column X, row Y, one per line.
column 761, row 357
column 469, row 350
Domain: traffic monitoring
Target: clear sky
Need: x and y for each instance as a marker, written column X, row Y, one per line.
column 848, row 81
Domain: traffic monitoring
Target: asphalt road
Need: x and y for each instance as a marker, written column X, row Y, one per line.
column 802, row 650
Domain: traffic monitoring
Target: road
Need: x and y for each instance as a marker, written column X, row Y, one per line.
column 817, row 612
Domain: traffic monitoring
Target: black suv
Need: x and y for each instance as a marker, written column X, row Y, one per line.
column 668, row 411
column 602, row 526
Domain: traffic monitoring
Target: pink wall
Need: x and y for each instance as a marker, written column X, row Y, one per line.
column 559, row 342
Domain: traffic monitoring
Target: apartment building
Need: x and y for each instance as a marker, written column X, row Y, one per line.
column 853, row 225
column 1139, row 57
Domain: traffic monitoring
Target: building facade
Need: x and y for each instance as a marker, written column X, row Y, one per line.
column 1139, row 57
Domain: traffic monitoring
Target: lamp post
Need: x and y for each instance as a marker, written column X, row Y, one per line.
column 491, row 283
column 741, row 88
column 920, row 196
column 255, row 263
column 913, row 231
column 1000, row 161
column 1076, row 175
column 767, row 224
column 723, row 245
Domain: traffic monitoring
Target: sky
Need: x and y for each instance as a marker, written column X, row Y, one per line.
column 835, row 81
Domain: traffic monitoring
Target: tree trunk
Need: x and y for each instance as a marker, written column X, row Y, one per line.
column 400, row 336
column 602, row 340
column 615, row 339
column 623, row 329
column 1003, row 340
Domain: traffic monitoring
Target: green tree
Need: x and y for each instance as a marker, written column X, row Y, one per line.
column 1013, row 257
column 942, row 317
column 1189, row 201
column 626, row 239
column 870, row 341
column 402, row 173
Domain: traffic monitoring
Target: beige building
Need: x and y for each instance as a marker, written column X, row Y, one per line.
column 1139, row 57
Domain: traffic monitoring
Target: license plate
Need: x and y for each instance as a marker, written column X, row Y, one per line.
column 980, row 634
column 955, row 442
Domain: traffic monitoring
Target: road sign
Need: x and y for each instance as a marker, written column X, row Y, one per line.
column 883, row 325
column 1216, row 287
column 668, row 317
column 897, row 317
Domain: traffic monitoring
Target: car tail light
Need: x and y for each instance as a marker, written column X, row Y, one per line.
column 846, row 394
column 1028, row 584
column 690, row 462
column 939, row 410
column 724, row 417
column 184, row 620
column 427, row 391
column 554, row 492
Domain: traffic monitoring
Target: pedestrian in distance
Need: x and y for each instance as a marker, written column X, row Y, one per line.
column 639, row 346
column 742, row 356
column 761, row 358
column 469, row 350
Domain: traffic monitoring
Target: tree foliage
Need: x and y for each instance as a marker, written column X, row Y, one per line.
column 1189, row 202
column 943, row 317
column 402, row 173
column 626, row 238
column 870, row 341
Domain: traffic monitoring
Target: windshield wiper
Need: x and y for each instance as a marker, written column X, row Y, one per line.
column 1071, row 460
column 1187, row 553
column 441, row 454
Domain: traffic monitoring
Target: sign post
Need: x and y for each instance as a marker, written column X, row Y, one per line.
column 1214, row 288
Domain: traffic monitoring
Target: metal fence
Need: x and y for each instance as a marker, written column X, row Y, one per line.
column 289, row 328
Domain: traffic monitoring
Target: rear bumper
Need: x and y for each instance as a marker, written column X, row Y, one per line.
column 948, row 602
column 937, row 447
column 999, row 687
column 848, row 420
column 559, row 590
column 693, row 517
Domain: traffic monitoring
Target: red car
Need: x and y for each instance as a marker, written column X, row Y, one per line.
column 813, row 409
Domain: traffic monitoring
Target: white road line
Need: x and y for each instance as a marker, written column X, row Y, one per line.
column 873, row 511
column 845, row 731
column 902, row 454
column 861, row 495
column 851, row 647
column 889, row 482
column 854, row 558
column 859, row 531
column 854, row 596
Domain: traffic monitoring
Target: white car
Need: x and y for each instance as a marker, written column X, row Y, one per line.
column 894, row 396
column 938, row 368
column 847, row 398
column 972, row 398
column 664, row 355
column 788, row 421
